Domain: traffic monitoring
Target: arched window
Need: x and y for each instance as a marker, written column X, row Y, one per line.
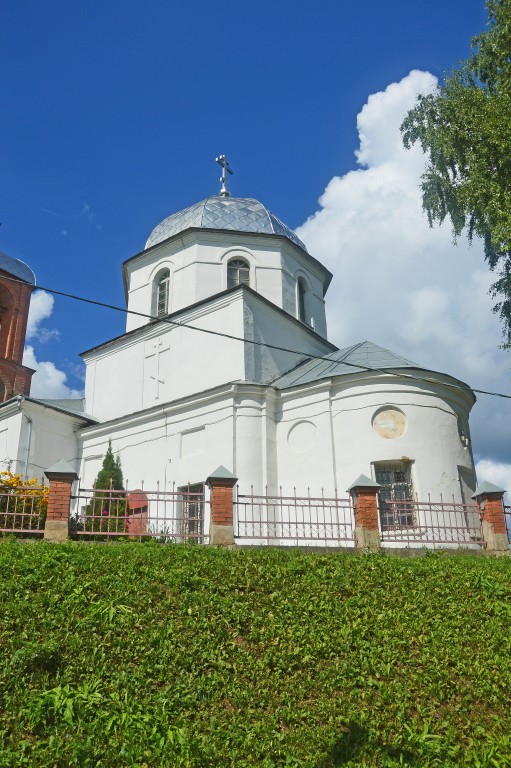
column 6, row 315
column 162, row 286
column 302, row 290
column 238, row 272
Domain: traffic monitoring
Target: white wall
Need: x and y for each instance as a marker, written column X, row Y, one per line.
column 308, row 454
column 197, row 262
column 173, row 445
column 162, row 363
column 50, row 438
column 12, row 449
column 265, row 325
column 317, row 438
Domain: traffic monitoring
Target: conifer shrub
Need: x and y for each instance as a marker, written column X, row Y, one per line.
column 107, row 511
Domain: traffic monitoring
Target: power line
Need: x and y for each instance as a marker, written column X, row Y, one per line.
column 176, row 323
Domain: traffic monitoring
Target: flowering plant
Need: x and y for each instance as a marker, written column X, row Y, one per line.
column 23, row 502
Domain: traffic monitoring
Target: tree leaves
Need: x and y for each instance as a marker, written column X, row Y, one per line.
column 465, row 130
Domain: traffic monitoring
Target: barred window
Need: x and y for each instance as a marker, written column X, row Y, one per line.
column 192, row 512
column 395, row 497
column 238, row 272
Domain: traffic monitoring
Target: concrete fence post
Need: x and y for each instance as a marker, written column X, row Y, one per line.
column 61, row 477
column 364, row 494
column 490, row 499
column 221, row 529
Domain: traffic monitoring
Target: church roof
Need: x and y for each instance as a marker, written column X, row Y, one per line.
column 16, row 268
column 354, row 359
column 241, row 214
column 73, row 405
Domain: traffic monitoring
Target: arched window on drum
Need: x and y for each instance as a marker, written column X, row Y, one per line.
column 238, row 272
column 161, row 293
column 302, row 299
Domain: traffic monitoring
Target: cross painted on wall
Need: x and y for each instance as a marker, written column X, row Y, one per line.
column 157, row 350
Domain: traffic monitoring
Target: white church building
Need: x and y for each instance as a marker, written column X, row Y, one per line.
column 226, row 361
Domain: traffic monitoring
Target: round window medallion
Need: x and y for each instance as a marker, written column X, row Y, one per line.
column 302, row 436
column 389, row 423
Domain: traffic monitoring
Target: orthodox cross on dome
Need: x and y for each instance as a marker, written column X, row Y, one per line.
column 223, row 161
column 156, row 351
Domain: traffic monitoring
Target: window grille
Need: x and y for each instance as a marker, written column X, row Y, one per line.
column 396, row 486
column 238, row 273
column 162, row 294
column 192, row 511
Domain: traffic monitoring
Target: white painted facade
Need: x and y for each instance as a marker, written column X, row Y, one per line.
column 309, row 438
column 177, row 402
column 197, row 262
column 34, row 436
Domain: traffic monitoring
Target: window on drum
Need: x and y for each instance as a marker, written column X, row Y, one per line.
column 238, row 273
column 162, row 293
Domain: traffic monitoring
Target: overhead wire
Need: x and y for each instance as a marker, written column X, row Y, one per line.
column 301, row 353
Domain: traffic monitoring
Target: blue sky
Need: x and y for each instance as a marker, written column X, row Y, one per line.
column 113, row 113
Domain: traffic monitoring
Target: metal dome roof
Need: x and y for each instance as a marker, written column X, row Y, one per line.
column 17, row 268
column 241, row 214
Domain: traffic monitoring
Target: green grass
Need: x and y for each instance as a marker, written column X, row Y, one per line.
column 150, row 655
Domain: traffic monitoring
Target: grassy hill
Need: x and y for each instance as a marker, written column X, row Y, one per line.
column 150, row 655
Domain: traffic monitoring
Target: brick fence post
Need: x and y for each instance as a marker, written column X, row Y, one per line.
column 61, row 477
column 221, row 529
column 364, row 493
column 490, row 499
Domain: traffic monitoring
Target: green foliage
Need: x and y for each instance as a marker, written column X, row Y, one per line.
column 23, row 502
column 135, row 654
column 110, row 474
column 465, row 129
column 107, row 510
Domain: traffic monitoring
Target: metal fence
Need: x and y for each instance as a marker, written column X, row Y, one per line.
column 428, row 523
column 180, row 515
column 278, row 519
column 23, row 510
column 507, row 517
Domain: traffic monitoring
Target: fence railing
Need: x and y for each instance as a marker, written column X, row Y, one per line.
column 274, row 519
column 425, row 523
column 166, row 516
column 23, row 510
column 507, row 517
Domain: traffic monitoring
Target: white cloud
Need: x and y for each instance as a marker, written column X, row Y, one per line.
column 400, row 283
column 41, row 307
column 496, row 473
column 48, row 381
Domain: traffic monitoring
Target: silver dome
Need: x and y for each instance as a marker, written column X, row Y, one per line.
column 241, row 214
column 16, row 268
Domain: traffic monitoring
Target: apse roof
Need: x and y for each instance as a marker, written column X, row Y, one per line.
column 354, row 359
column 241, row 214
column 16, row 268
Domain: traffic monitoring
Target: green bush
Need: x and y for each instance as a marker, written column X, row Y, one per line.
column 107, row 511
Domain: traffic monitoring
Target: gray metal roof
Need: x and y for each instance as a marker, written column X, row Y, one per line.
column 74, row 406
column 241, row 214
column 353, row 359
column 363, row 481
column 16, row 268
column 486, row 487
